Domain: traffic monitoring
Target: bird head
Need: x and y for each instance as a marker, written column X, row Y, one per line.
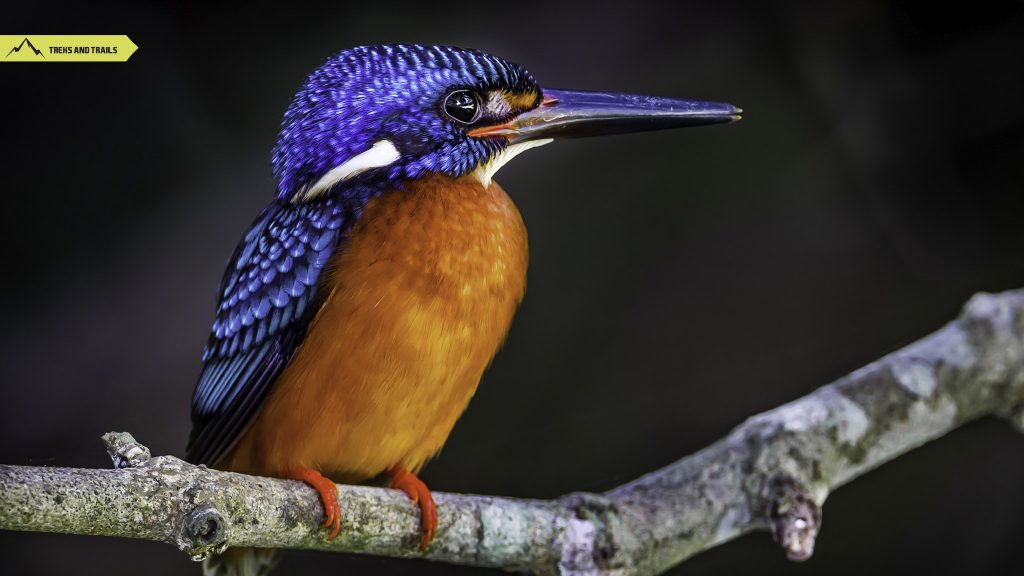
column 396, row 112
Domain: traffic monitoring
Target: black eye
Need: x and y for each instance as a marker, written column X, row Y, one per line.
column 463, row 106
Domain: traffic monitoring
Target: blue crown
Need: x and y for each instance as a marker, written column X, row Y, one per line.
column 395, row 93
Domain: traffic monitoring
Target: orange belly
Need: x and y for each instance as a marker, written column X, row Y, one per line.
column 418, row 300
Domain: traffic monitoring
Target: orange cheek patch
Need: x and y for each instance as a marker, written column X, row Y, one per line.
column 509, row 102
column 522, row 101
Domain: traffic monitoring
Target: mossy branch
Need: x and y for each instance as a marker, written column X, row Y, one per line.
column 772, row 472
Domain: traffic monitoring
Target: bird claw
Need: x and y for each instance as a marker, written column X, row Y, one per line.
column 328, row 491
column 402, row 479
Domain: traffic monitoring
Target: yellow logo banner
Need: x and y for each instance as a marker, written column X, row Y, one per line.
column 66, row 48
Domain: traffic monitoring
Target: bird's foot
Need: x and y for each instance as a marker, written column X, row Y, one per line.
column 407, row 482
column 328, row 495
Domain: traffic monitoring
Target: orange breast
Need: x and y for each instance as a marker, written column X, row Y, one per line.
column 418, row 300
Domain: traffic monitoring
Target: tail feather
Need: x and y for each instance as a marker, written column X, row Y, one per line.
column 242, row 562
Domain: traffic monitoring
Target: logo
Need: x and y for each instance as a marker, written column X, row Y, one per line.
column 22, row 45
column 67, row 48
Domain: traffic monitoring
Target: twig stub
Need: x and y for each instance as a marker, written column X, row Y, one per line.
column 795, row 518
column 125, row 450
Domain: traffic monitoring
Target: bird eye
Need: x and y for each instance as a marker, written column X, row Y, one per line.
column 462, row 106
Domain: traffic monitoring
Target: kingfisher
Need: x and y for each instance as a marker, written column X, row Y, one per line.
column 362, row 306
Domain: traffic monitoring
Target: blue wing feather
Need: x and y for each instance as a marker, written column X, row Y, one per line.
column 267, row 298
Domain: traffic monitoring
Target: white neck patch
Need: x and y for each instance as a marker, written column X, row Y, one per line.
column 486, row 171
column 382, row 153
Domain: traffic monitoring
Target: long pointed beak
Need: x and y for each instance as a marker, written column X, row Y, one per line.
column 576, row 114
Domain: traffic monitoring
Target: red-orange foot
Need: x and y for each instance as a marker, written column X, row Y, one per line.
column 407, row 482
column 328, row 495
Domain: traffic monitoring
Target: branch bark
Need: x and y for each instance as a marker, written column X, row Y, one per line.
column 772, row 472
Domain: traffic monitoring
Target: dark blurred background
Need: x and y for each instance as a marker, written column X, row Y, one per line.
column 679, row 283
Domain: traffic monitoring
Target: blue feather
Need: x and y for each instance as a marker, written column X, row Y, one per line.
column 249, row 345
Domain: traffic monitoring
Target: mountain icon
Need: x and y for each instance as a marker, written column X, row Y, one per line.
column 22, row 45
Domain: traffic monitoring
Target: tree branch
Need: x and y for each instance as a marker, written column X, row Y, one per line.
column 772, row 472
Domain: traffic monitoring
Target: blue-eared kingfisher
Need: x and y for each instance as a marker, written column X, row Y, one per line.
column 364, row 303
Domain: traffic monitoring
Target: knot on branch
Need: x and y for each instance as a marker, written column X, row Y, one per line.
column 795, row 518
column 601, row 549
column 989, row 313
column 125, row 450
column 204, row 533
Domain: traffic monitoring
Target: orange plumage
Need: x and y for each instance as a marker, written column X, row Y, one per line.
column 418, row 301
column 363, row 305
